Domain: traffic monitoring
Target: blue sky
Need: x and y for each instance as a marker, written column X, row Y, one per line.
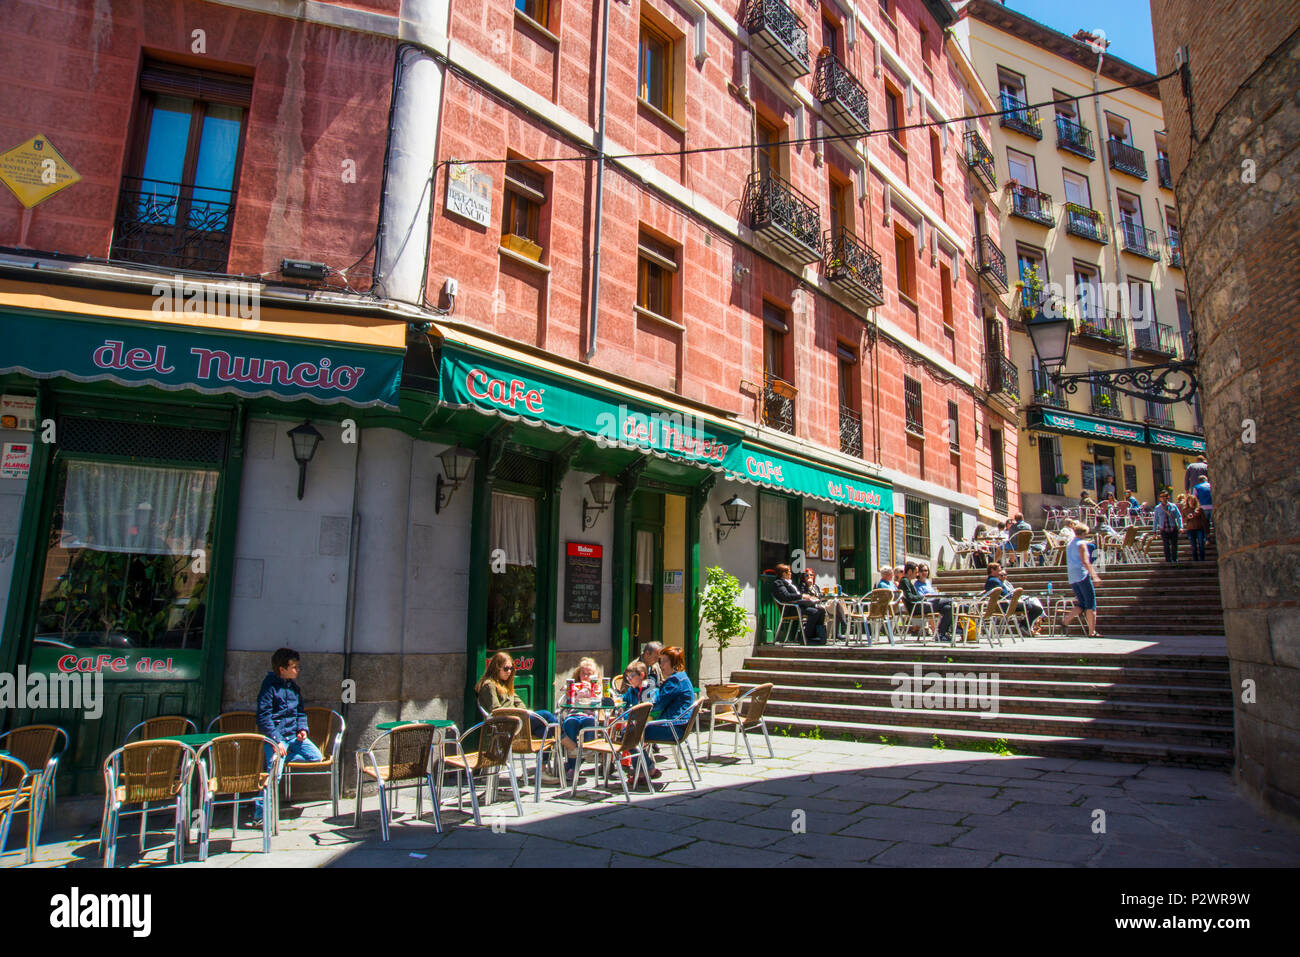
column 1127, row 24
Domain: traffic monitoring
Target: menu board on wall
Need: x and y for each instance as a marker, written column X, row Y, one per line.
column 582, row 574
column 1088, row 475
column 812, row 533
column 900, row 548
column 828, row 538
column 884, row 540
column 1131, row 478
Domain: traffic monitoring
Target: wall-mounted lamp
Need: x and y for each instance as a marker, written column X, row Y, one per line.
column 456, row 463
column 305, row 438
column 602, row 490
column 1033, row 439
column 1092, row 449
column 1128, row 456
column 735, row 508
column 739, row 272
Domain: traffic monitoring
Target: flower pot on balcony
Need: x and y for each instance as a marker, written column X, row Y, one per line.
column 1062, row 479
column 522, row 246
column 782, row 388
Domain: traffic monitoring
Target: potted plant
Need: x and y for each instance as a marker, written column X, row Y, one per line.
column 1062, row 479
column 1043, row 395
column 1103, row 400
column 724, row 614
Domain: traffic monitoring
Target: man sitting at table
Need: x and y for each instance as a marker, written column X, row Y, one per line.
column 1032, row 606
column 282, row 717
column 787, row 592
column 886, row 578
column 940, row 606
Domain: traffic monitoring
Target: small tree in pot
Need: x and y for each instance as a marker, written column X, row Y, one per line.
column 724, row 614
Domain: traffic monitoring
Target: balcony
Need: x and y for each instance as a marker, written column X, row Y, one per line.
column 1086, row 223
column 1047, row 391
column 1032, row 205
column 1003, row 376
column 1127, row 159
column 1074, row 137
column 1102, row 326
column 980, row 160
column 784, row 217
column 992, row 263
column 842, row 95
column 173, row 225
column 780, row 33
column 1175, row 251
column 999, row 493
column 1164, row 175
column 1017, row 115
column 1106, row 402
column 1156, row 337
column 1139, row 240
column 851, row 433
column 1161, row 416
column 854, row 267
column 778, row 403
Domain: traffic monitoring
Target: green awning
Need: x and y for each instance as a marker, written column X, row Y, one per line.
column 1175, row 441
column 758, row 465
column 95, row 349
column 1068, row 423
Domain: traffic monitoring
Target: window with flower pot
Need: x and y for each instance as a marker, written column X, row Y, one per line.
column 521, row 218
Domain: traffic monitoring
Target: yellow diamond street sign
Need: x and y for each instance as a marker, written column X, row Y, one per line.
column 35, row 171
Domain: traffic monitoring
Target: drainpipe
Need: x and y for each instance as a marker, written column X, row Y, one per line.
column 600, row 184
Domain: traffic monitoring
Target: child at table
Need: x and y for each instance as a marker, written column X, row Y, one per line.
column 587, row 672
column 282, row 717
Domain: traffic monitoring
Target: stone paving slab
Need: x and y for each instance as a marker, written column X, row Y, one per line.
column 817, row 803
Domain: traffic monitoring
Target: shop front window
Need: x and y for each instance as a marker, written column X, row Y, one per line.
column 128, row 557
column 512, row 592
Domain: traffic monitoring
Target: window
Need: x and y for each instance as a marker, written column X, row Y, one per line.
column 1117, row 128
column 1130, row 209
column 936, row 160
column 924, row 39
column 954, row 428
column 1021, row 167
column 831, row 36
column 1087, row 292
column 769, row 152
column 1076, row 189
column 535, row 10
column 905, row 260
column 773, row 530
column 1161, row 473
column 956, row 524
column 1012, row 93
column 1066, row 109
column 945, row 296
column 894, row 114
column 1031, row 265
column 846, row 361
column 656, row 263
column 521, row 217
column 912, row 405
column 917, row 527
column 1049, row 464
column 778, row 392
column 840, row 208
column 655, row 68
column 176, row 206
column 774, row 333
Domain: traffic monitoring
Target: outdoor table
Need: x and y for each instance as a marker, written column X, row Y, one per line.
column 194, row 741
column 439, row 723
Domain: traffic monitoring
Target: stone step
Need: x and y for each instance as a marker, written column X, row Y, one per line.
column 1028, row 671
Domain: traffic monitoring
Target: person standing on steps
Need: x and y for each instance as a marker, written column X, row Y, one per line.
column 1083, row 580
column 1194, row 522
column 1204, row 496
column 1168, row 522
column 1195, row 472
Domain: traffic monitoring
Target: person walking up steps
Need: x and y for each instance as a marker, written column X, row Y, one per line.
column 1083, row 580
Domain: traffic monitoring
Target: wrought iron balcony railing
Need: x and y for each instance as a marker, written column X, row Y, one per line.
column 1175, row 251
column 999, row 493
column 1085, row 222
column 784, row 217
column 854, row 267
column 850, row 433
column 1102, row 326
column 781, row 33
column 1127, row 159
column 173, row 225
column 1032, row 205
column 1156, row 337
column 1160, row 415
column 1074, row 137
column 979, row 159
column 1018, row 115
column 1106, row 402
column 1164, row 174
column 1003, row 376
column 1139, row 240
column 778, row 403
column 1047, row 391
column 842, row 95
column 992, row 263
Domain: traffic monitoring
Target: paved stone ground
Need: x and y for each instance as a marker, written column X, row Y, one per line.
column 858, row 804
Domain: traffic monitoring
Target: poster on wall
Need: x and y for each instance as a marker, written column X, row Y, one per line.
column 828, row 538
column 16, row 460
column 812, row 533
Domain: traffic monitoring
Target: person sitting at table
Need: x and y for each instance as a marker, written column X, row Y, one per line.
column 1134, row 506
column 786, row 592
column 980, row 555
column 587, row 671
column 673, row 704
column 929, row 606
column 886, row 578
column 1033, row 607
column 923, row 584
column 637, row 687
column 650, row 658
column 282, row 717
column 496, row 689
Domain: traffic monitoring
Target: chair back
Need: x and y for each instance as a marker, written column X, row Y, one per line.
column 238, row 763
column 694, row 718
column 409, row 747
column 879, row 602
column 152, row 770
column 619, row 684
column 1013, row 605
column 989, row 607
column 1130, row 536
column 235, row 722
column 162, row 726
column 634, row 731
column 34, row 744
column 756, row 703
column 14, row 774
column 496, row 739
column 1021, row 541
column 323, row 728
column 523, row 740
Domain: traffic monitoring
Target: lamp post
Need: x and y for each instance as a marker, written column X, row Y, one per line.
column 456, row 463
column 735, row 509
column 602, row 491
column 305, row 439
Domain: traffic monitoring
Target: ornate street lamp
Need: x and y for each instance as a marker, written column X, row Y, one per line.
column 456, row 463
column 305, row 438
column 602, row 490
column 735, row 509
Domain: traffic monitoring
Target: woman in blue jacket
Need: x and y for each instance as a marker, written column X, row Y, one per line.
column 673, row 703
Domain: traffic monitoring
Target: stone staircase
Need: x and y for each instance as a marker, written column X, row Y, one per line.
column 1137, row 706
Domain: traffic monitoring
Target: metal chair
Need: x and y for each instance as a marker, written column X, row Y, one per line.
column 745, row 714
column 238, row 763
column 162, row 726
column 791, row 615
column 410, row 764
column 138, row 774
column 681, row 741
column 1010, row 616
column 21, row 791
column 525, row 745
column 325, row 730
column 984, row 613
column 38, row 747
column 235, row 722
column 495, row 745
column 630, row 744
column 1020, row 543
column 880, row 614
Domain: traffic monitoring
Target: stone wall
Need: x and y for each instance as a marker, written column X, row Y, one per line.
column 1243, row 264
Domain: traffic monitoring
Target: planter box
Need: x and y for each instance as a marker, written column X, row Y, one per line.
column 522, row 246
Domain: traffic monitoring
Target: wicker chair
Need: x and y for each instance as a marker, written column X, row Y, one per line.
column 525, row 746
column 325, row 730
column 411, row 756
column 1010, row 617
column 791, row 617
column 143, row 772
column 744, row 714
column 629, row 744
column 163, row 726
column 683, row 755
column 880, row 613
column 234, row 722
column 984, row 613
column 39, row 747
column 495, row 750
column 20, row 792
column 238, row 766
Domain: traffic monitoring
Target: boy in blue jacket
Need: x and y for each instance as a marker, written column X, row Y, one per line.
column 282, row 717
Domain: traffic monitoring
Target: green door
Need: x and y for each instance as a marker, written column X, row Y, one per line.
column 512, row 619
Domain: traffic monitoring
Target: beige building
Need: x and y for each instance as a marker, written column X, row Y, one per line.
column 1089, row 225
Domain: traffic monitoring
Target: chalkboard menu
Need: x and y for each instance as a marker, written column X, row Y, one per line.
column 582, row 575
column 1088, row 476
